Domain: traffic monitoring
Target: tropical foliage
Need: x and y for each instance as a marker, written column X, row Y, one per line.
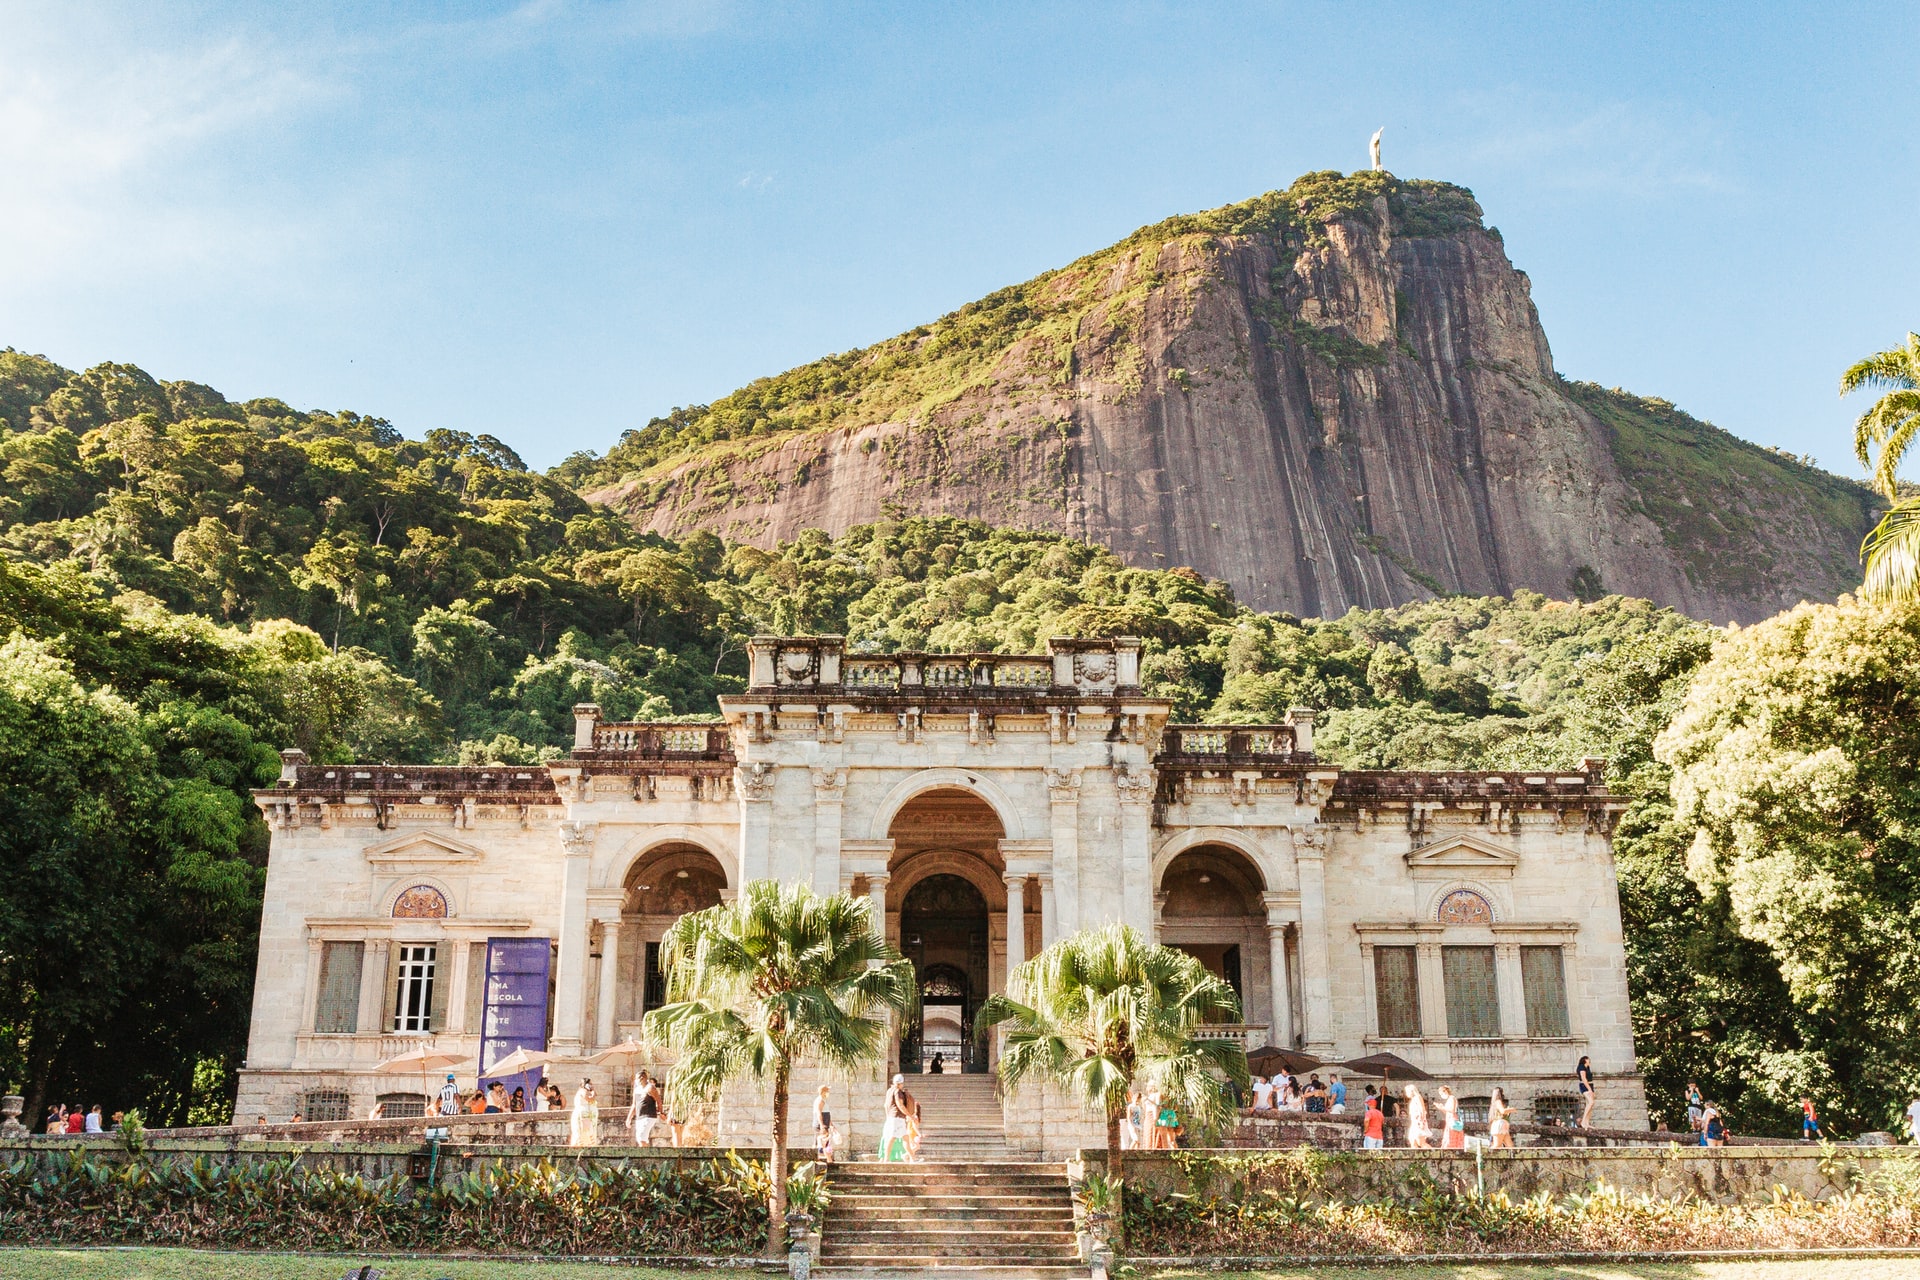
column 1104, row 1011
column 759, row 985
column 710, row 1208
column 1881, row 439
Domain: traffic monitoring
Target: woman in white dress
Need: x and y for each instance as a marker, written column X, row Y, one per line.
column 586, row 1117
column 893, row 1135
column 1419, row 1135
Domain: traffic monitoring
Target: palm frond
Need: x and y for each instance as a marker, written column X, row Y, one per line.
column 1892, row 555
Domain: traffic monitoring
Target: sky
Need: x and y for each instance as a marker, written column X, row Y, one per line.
column 554, row 220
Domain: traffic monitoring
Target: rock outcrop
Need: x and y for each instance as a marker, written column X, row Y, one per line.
column 1331, row 397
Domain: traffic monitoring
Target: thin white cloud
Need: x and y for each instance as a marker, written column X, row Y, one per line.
column 1639, row 149
column 112, row 152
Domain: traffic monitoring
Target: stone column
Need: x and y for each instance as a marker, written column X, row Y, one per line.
column 753, row 784
column 1159, row 914
column 1134, row 784
column 459, row 974
column 1016, row 923
column 829, row 790
column 1310, row 854
column 609, row 978
column 570, row 984
column 1049, row 921
column 1280, row 1026
column 1063, row 792
column 877, row 901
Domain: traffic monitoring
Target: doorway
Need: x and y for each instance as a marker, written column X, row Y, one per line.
column 943, row 931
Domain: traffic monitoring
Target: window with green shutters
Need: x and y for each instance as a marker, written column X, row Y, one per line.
column 1473, row 999
column 1396, row 990
column 337, row 1009
column 1543, row 977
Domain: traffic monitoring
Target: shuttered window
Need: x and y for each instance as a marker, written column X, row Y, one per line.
column 337, row 1010
column 1473, row 1001
column 1543, row 975
column 476, row 997
column 1396, row 990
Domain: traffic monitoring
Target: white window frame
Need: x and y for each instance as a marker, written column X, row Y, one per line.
column 416, row 970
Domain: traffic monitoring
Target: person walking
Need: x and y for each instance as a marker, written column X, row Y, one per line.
column 1166, row 1123
column 584, row 1124
column 893, row 1134
column 1583, row 1081
column 643, row 1112
column 1500, row 1119
column 1419, row 1136
column 822, row 1125
column 1809, row 1123
column 1453, row 1130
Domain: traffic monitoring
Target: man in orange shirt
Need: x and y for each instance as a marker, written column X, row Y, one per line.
column 1374, row 1128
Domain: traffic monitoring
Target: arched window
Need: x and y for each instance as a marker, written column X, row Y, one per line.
column 421, row 902
column 1464, row 906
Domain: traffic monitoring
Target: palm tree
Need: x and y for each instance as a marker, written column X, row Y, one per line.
column 1097, row 1011
column 759, row 984
column 1892, row 550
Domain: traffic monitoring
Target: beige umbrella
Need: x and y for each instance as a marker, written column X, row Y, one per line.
column 626, row 1051
column 424, row 1059
column 520, row 1060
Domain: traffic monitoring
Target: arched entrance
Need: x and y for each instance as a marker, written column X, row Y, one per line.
column 665, row 884
column 946, row 880
column 1211, row 909
column 944, row 929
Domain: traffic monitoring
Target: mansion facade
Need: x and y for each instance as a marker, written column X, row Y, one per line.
column 986, row 805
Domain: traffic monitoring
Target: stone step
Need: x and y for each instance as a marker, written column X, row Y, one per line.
column 926, row 1259
column 961, row 1270
column 1028, row 1208
column 880, row 1250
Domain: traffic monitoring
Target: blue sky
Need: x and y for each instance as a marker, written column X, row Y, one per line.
column 554, row 220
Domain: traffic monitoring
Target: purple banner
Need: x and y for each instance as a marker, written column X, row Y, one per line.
column 516, row 1007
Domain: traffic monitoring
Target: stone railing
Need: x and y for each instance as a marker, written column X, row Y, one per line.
column 1248, row 1035
column 663, row 741
column 821, row 663
column 1222, row 744
column 417, row 784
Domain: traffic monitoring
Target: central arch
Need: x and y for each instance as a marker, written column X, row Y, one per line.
column 946, row 881
column 970, row 781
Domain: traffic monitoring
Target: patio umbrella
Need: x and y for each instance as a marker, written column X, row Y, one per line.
column 624, row 1052
column 424, row 1059
column 519, row 1062
column 1386, row 1066
column 1269, row 1060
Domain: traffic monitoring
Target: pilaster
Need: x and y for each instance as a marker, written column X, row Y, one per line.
column 570, row 983
column 1316, row 977
column 1063, row 813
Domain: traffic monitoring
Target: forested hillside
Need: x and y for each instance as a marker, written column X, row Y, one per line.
column 189, row 584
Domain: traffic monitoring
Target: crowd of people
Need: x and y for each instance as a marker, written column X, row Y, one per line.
column 64, row 1119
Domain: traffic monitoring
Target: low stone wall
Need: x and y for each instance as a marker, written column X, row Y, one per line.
column 372, row 1159
column 1727, row 1175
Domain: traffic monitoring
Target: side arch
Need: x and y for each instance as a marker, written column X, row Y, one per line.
column 1226, row 837
column 968, row 780
column 622, row 863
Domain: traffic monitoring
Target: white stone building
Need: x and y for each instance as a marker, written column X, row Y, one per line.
column 1466, row 921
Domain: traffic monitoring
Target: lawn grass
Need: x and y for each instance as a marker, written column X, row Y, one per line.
column 195, row 1264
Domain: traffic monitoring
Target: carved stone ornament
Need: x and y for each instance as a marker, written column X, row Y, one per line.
column 830, row 783
column 1310, row 842
column 797, row 666
column 1063, row 784
column 1134, row 785
column 754, row 781
column 577, row 837
column 1093, row 670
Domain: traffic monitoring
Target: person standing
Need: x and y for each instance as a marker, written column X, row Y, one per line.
column 643, row 1112
column 449, row 1097
column 518, row 1102
column 1262, row 1094
column 1166, row 1123
column 1694, row 1107
column 1716, row 1128
column 822, row 1126
column 1583, row 1080
column 1500, row 1119
column 1453, row 1131
column 584, row 1129
column 1809, row 1123
column 1337, row 1093
column 1132, row 1121
column 1373, row 1127
column 914, row 1133
column 1419, row 1136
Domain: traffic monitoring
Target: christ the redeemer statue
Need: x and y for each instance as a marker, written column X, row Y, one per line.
column 1373, row 147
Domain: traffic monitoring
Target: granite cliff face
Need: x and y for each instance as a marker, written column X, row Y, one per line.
column 1335, row 396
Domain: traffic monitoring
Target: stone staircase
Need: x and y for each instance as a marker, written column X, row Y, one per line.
column 960, row 1118
column 978, row 1217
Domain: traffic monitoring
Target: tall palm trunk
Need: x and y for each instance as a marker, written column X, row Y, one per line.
column 1116, row 1174
column 777, row 1164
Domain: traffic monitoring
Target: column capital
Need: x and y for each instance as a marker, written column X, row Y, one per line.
column 578, row 838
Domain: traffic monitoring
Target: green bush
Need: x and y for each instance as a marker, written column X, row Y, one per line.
column 714, row 1208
